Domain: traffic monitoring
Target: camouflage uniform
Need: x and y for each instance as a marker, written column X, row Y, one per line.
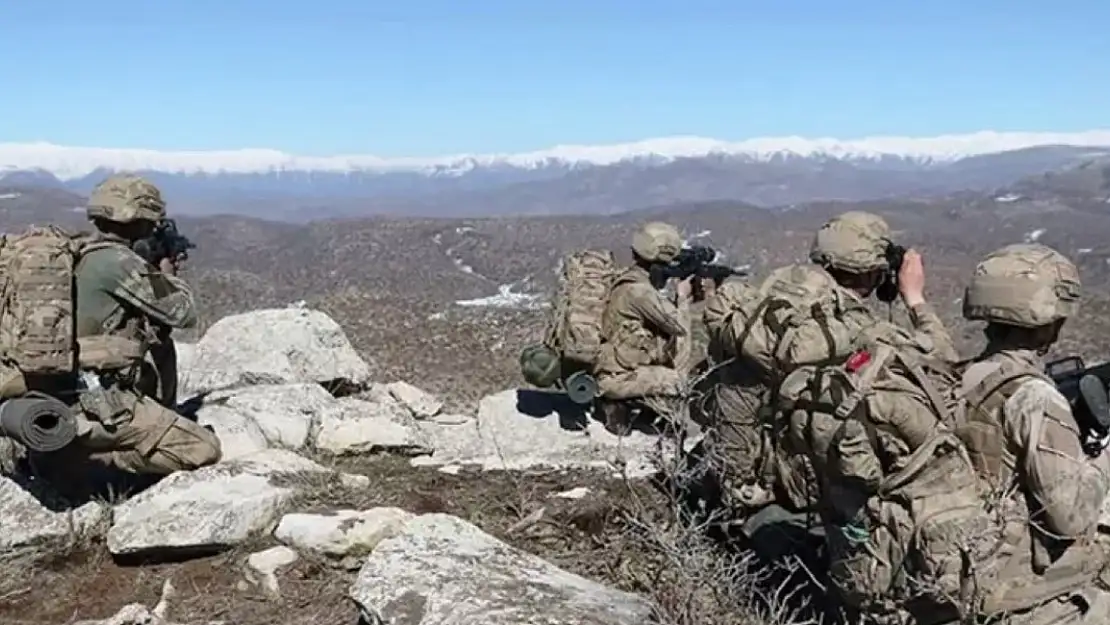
column 853, row 242
column 129, row 423
column 645, row 351
column 1025, row 442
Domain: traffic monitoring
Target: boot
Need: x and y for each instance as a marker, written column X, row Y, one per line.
column 618, row 417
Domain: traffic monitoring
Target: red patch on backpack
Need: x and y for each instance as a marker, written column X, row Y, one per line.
column 857, row 361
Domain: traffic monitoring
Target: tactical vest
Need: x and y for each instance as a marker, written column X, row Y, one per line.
column 1032, row 567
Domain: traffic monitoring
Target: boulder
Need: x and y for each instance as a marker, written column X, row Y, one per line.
column 345, row 536
column 186, row 353
column 358, row 426
column 276, row 346
column 441, row 570
column 210, row 509
column 27, row 527
column 239, row 434
column 525, row 429
column 285, row 414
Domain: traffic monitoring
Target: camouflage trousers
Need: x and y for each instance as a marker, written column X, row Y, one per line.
column 659, row 389
column 133, row 433
column 649, row 381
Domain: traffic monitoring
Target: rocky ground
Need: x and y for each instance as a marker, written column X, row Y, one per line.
column 340, row 498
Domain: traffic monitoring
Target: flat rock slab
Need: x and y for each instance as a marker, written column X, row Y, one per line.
column 210, row 509
column 441, row 570
column 524, row 429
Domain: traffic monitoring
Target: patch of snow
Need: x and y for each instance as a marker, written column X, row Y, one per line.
column 1034, row 236
column 1083, row 250
column 1006, row 199
column 505, row 298
column 10, row 196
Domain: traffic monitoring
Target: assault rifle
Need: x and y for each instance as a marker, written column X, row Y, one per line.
column 1086, row 391
column 165, row 242
column 696, row 261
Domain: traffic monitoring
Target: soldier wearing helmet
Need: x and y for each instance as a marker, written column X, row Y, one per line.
column 129, row 423
column 856, row 249
column 1024, row 440
column 645, row 354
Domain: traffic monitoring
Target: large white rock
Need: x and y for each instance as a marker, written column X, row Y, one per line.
column 504, row 437
column 358, row 426
column 276, row 346
column 239, row 434
column 346, row 536
column 28, row 527
column 441, row 570
column 210, row 509
column 284, row 413
column 186, row 353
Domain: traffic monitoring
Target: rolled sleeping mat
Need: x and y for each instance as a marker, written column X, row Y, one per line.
column 39, row 423
column 581, row 388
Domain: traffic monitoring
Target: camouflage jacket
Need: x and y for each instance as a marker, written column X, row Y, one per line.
column 1028, row 437
column 640, row 327
column 120, row 293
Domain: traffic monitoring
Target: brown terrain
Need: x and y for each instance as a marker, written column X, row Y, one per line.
column 393, row 284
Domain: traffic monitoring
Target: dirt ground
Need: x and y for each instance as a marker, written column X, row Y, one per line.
column 585, row 536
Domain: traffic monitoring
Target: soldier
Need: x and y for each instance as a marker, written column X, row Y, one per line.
column 646, row 353
column 1026, row 443
column 853, row 248
column 124, row 422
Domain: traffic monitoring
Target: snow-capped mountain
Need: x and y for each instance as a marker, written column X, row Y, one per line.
column 564, row 179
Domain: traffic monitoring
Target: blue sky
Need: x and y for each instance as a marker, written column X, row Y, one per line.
column 429, row 77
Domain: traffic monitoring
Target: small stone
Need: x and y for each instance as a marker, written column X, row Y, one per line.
column 344, row 535
column 574, row 493
column 421, row 403
column 263, row 565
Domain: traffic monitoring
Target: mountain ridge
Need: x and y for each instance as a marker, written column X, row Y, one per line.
column 72, row 162
column 562, row 187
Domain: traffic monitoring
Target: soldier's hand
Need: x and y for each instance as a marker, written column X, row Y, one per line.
column 911, row 279
column 685, row 288
column 168, row 266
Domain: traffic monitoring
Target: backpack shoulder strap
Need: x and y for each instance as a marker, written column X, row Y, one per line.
column 998, row 385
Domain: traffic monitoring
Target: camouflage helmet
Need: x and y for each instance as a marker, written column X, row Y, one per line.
column 854, row 241
column 1025, row 284
column 657, row 242
column 124, row 198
